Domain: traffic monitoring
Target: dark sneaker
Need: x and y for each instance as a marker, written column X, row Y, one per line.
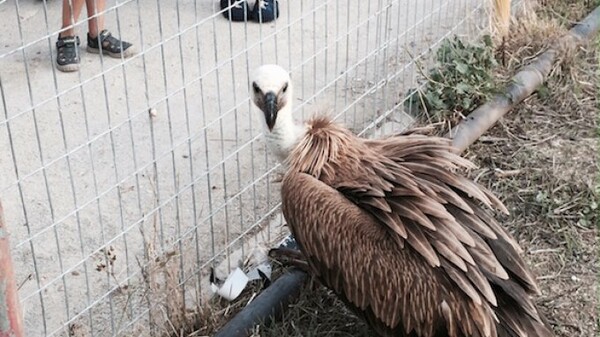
column 67, row 53
column 111, row 46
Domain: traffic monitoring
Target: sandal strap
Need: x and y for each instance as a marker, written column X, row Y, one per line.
column 67, row 40
column 107, row 42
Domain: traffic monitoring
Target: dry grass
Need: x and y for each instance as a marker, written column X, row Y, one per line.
column 317, row 312
column 542, row 160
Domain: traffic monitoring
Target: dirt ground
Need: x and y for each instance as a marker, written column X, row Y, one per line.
column 542, row 161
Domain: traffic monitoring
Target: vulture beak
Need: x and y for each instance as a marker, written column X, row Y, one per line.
column 270, row 109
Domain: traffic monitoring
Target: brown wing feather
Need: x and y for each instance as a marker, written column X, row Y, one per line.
column 406, row 188
column 388, row 285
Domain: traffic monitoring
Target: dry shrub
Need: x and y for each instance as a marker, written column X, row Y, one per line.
column 529, row 36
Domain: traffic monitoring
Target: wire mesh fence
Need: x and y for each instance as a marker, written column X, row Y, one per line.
column 112, row 172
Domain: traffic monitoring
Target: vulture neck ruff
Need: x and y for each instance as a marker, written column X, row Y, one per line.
column 322, row 142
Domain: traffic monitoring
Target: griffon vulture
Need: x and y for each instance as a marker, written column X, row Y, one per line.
column 391, row 227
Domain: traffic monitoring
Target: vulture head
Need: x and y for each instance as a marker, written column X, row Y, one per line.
column 272, row 93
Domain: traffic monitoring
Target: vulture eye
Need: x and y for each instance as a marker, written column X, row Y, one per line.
column 255, row 87
column 285, row 87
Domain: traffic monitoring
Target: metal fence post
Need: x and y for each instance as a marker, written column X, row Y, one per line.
column 11, row 321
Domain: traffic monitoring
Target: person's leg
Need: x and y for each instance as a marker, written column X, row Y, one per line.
column 100, row 39
column 67, row 55
column 70, row 14
column 95, row 24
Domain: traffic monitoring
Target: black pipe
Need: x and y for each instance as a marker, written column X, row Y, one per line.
column 270, row 304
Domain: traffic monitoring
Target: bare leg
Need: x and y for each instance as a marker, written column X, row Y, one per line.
column 71, row 11
column 104, row 43
column 95, row 24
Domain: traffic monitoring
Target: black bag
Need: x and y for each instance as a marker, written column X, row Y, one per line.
column 240, row 11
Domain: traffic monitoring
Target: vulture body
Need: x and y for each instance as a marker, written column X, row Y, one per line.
column 393, row 230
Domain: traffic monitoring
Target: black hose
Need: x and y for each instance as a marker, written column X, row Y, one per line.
column 271, row 302
column 269, row 305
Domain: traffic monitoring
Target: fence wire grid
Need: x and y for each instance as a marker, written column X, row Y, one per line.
column 109, row 173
